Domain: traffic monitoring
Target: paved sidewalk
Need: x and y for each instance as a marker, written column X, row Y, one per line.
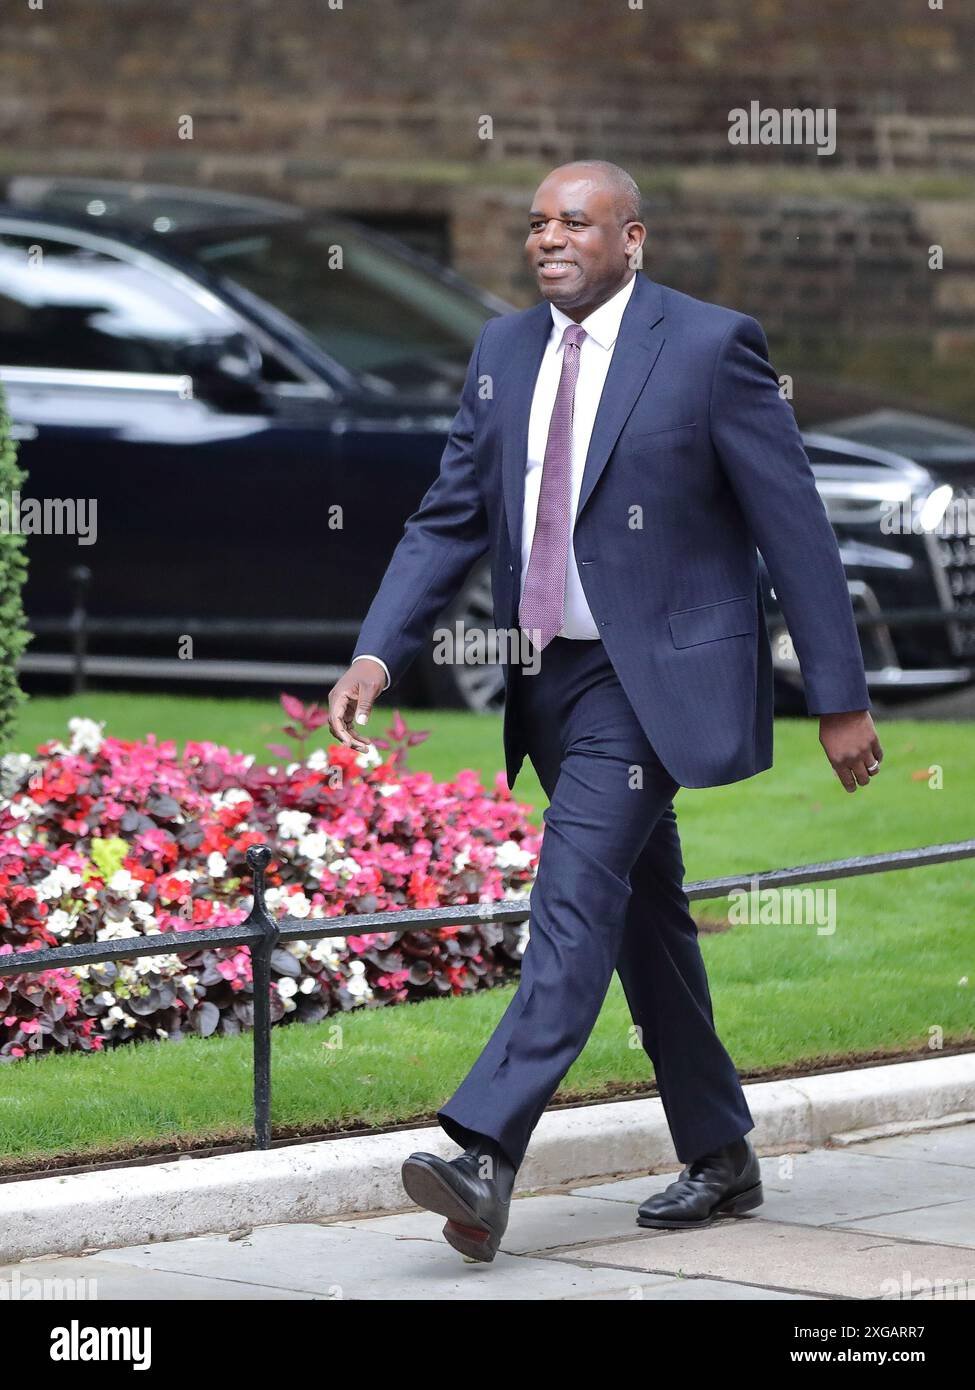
column 892, row 1218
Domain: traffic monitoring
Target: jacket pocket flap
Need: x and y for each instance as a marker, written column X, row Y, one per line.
column 731, row 617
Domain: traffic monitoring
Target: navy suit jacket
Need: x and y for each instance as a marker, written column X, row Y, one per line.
column 695, row 460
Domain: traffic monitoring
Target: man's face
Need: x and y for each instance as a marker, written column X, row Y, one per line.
column 576, row 248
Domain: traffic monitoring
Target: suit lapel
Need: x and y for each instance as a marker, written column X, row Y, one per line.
column 640, row 339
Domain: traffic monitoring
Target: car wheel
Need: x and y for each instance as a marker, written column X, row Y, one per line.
column 472, row 685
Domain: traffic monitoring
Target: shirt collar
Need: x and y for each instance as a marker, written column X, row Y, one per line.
column 603, row 324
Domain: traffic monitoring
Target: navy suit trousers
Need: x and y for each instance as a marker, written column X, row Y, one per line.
column 608, row 895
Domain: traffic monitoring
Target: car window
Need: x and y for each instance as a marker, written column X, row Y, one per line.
column 392, row 322
column 65, row 305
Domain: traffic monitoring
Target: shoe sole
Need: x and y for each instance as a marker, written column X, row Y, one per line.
column 464, row 1231
column 748, row 1200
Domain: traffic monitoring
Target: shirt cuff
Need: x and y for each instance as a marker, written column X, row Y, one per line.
column 366, row 656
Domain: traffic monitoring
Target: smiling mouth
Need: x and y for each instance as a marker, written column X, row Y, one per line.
column 555, row 269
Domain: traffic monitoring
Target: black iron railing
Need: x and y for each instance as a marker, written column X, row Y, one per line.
column 261, row 933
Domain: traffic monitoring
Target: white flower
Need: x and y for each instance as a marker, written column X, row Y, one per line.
column 287, row 987
column 59, row 881
column 293, row 824
column 308, row 985
column 317, row 760
column 190, row 981
column 216, row 864
column 14, row 771
column 315, row 845
column 86, row 735
column 233, row 796
column 116, row 1016
column 142, row 912
column 358, row 985
column 105, row 999
column 344, row 867
column 59, row 922
column 388, row 789
column 370, row 758
column 510, row 855
column 124, row 884
column 326, row 950
column 461, row 860
column 161, row 965
column 297, row 905
column 115, row 931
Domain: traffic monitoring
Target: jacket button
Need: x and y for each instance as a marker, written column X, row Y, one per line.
column 511, row 569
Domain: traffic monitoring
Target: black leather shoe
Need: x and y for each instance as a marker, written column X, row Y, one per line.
column 727, row 1182
column 476, row 1207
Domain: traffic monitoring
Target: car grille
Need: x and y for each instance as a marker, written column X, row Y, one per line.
column 953, row 553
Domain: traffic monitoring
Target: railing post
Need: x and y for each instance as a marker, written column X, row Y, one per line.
column 258, row 857
column 80, row 578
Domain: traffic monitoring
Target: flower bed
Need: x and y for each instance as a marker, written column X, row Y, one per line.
column 107, row 838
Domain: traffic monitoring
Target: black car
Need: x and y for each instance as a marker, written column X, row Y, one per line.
column 256, row 399
column 889, row 514
column 946, row 451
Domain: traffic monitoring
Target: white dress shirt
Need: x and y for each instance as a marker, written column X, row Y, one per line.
column 602, row 329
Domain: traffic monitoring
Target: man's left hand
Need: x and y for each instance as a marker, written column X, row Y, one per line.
column 850, row 742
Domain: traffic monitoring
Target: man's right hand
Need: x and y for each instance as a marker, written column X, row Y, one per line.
column 351, row 699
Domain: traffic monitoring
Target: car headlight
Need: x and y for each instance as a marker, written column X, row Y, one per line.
column 931, row 510
column 863, row 502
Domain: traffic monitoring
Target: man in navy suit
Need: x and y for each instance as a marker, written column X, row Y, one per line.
column 620, row 451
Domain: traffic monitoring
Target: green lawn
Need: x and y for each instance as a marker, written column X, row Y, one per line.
column 893, row 975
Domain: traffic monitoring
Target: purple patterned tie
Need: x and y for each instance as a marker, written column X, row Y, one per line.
column 543, row 597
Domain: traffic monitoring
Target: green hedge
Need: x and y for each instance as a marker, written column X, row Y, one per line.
column 13, row 571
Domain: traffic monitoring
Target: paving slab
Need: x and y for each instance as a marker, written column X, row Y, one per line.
column 948, row 1223
column 949, row 1144
column 807, row 1259
column 535, row 1223
column 692, row 1290
column 839, row 1186
column 338, row 1262
column 95, row 1280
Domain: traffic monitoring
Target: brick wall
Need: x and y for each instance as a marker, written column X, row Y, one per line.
column 377, row 105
